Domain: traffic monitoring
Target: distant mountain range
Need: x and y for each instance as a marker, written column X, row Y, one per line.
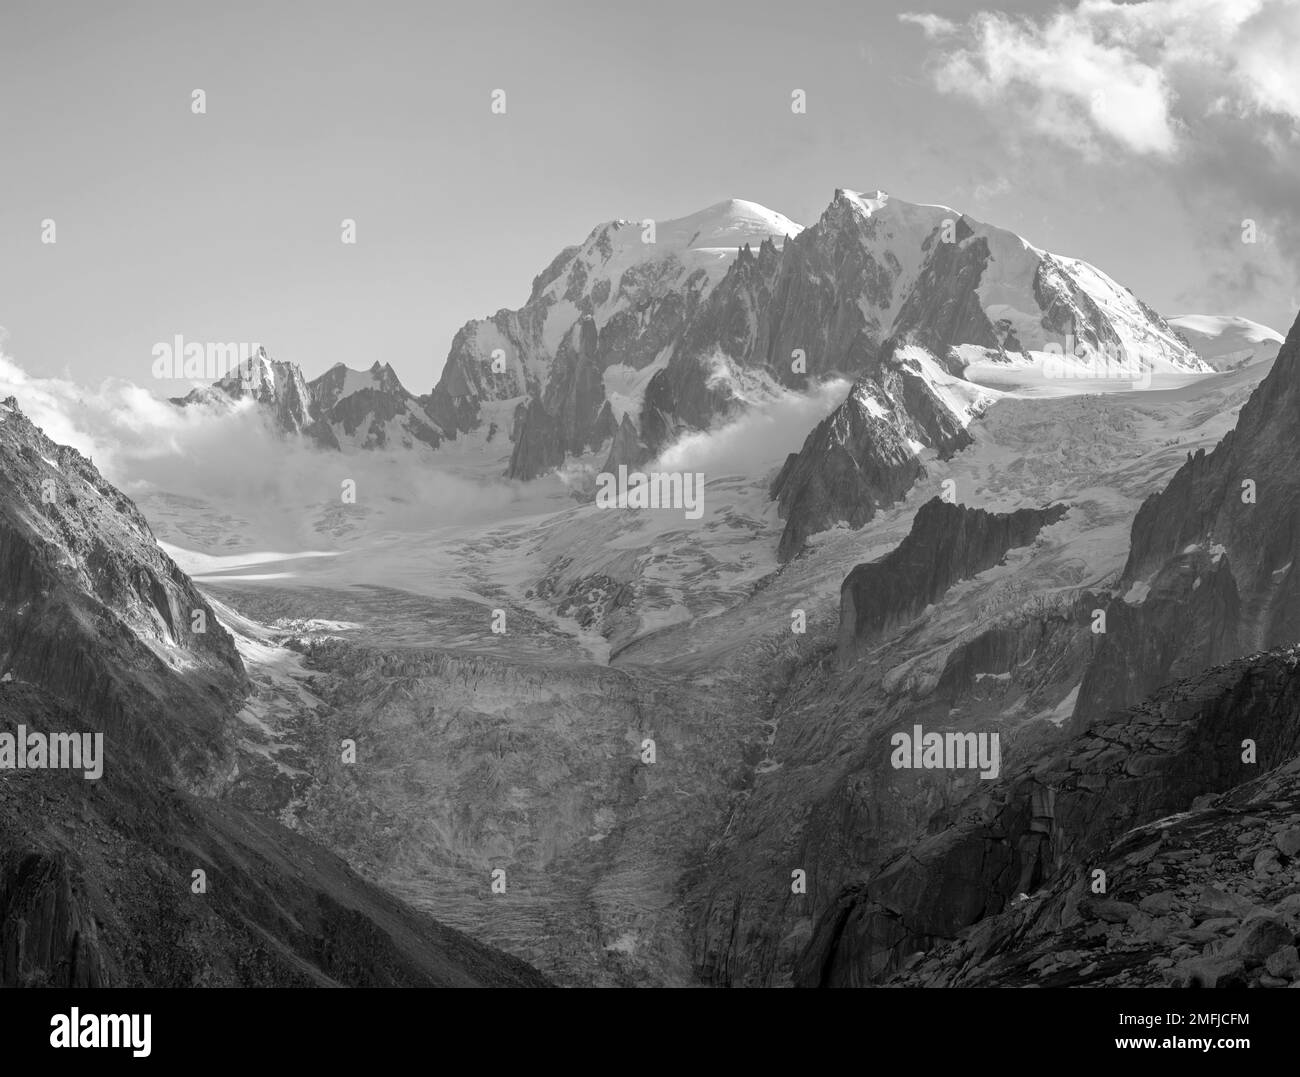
column 342, row 409
column 648, row 329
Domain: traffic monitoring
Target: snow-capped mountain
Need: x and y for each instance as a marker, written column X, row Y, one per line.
column 1226, row 341
column 667, row 334
column 341, row 409
column 278, row 389
column 372, row 409
column 634, row 285
column 650, row 329
column 867, row 453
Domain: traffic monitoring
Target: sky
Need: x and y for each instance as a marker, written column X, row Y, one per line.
column 1140, row 137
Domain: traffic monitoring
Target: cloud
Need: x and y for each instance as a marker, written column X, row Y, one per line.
column 931, row 25
column 761, row 437
column 1205, row 91
column 984, row 191
column 265, row 489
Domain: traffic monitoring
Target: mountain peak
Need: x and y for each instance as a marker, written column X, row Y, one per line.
column 731, row 223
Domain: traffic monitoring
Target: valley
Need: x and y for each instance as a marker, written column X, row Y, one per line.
column 522, row 750
column 626, row 745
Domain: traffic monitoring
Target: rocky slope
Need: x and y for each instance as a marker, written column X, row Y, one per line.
column 97, row 889
column 93, row 610
column 101, row 634
column 371, row 409
column 1167, row 712
column 1211, row 570
column 1196, row 839
column 947, row 543
column 342, row 409
column 866, row 453
column 470, row 763
column 638, row 287
column 1002, row 652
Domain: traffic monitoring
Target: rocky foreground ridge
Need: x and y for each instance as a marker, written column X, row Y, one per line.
column 1178, row 780
column 1150, row 854
column 142, row 877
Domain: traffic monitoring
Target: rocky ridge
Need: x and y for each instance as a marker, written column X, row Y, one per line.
column 142, row 877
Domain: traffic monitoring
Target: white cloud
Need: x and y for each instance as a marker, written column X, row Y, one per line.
column 759, row 438
column 1204, row 93
column 234, row 462
column 931, row 25
column 1142, row 77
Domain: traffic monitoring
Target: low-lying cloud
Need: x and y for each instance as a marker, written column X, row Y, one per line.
column 266, row 489
column 760, row 437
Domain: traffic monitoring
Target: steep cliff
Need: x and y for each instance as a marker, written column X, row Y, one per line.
column 865, row 454
column 92, row 609
column 947, row 543
column 1049, row 824
column 1211, row 572
column 123, row 869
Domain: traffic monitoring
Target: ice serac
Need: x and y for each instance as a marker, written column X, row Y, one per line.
column 1042, row 830
column 947, row 543
column 143, row 876
column 1212, row 567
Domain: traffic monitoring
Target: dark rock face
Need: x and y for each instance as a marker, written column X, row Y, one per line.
column 1044, row 825
column 1039, row 650
column 573, row 417
column 1210, row 575
column 944, row 308
column 947, row 543
column 93, row 610
column 96, row 889
column 649, row 304
column 626, row 448
column 280, row 392
column 864, row 454
column 1068, row 309
column 852, row 463
column 539, row 444
column 834, row 805
column 827, row 302
column 371, row 410
column 1165, row 711
column 370, row 416
column 1189, row 621
column 102, row 635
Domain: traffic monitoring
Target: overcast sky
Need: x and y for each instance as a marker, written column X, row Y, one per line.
column 1137, row 137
